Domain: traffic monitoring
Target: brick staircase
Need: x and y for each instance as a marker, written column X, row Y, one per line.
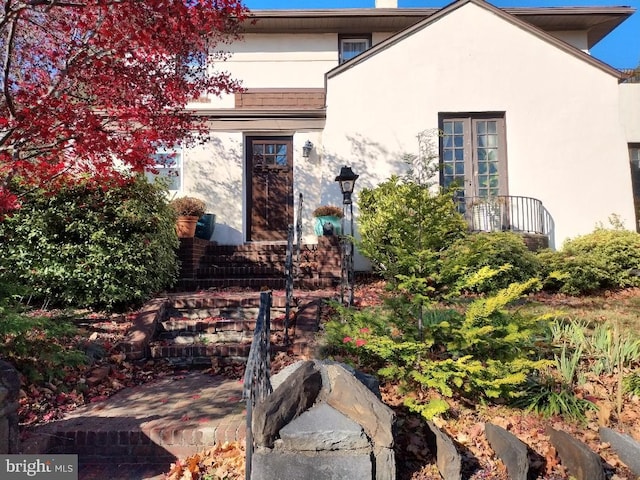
column 218, row 330
column 206, row 265
column 144, row 428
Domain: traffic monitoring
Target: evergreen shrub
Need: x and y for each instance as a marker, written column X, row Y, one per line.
column 404, row 226
column 102, row 247
column 494, row 250
column 603, row 259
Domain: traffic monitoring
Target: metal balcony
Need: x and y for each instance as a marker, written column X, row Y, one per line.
column 506, row 213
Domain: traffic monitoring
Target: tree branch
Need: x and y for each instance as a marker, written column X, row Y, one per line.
column 6, row 84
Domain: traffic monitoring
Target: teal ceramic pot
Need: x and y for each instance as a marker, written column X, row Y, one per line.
column 206, row 225
column 328, row 225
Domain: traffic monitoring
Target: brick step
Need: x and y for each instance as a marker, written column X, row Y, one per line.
column 200, row 284
column 115, row 443
column 235, row 350
column 244, row 257
column 244, row 270
column 217, row 354
column 185, row 338
column 195, row 284
column 111, row 444
column 217, row 325
column 222, row 300
column 250, row 248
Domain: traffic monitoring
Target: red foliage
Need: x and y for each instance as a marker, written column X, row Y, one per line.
column 87, row 81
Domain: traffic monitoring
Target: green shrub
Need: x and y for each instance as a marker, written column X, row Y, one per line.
column 38, row 345
column 484, row 353
column 494, row 250
column 603, row 259
column 93, row 247
column 404, row 226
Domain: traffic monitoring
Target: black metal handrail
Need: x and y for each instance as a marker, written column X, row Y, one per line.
column 506, row 213
column 257, row 382
column 292, row 265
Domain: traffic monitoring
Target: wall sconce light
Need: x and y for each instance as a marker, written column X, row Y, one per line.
column 306, row 149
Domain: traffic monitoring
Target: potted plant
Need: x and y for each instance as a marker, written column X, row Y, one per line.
column 328, row 220
column 189, row 210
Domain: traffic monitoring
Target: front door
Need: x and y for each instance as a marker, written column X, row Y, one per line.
column 270, row 180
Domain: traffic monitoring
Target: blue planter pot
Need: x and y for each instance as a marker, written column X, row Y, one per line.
column 328, row 225
column 206, row 225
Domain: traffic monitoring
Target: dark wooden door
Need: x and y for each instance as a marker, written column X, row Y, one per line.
column 270, row 180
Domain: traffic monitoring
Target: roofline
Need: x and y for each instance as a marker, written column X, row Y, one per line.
column 502, row 13
column 418, row 11
column 598, row 21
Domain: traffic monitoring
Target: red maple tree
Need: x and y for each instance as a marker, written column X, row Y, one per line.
column 85, row 82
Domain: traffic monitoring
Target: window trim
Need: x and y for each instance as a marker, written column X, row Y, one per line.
column 352, row 36
column 179, row 151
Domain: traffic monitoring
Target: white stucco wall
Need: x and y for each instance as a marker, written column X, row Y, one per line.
column 630, row 110
column 279, row 61
column 565, row 144
column 214, row 172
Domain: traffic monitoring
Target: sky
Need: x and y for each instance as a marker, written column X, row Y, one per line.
column 620, row 49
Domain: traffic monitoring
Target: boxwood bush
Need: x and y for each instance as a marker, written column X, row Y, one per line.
column 603, row 259
column 504, row 252
column 102, row 247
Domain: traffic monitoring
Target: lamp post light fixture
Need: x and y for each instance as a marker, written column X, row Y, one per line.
column 347, row 180
column 306, row 149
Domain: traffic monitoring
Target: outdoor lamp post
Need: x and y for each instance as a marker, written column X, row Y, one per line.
column 347, row 180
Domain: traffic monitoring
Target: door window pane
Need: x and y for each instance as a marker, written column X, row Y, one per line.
column 269, row 155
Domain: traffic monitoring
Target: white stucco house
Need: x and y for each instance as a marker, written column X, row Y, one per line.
column 526, row 116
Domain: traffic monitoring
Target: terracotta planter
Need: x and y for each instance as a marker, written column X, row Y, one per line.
column 186, row 226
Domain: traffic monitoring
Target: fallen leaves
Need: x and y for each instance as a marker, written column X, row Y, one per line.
column 222, row 461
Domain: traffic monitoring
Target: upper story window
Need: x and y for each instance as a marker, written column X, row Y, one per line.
column 352, row 45
column 167, row 165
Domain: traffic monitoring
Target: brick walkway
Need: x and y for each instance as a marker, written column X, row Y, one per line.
column 139, row 431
